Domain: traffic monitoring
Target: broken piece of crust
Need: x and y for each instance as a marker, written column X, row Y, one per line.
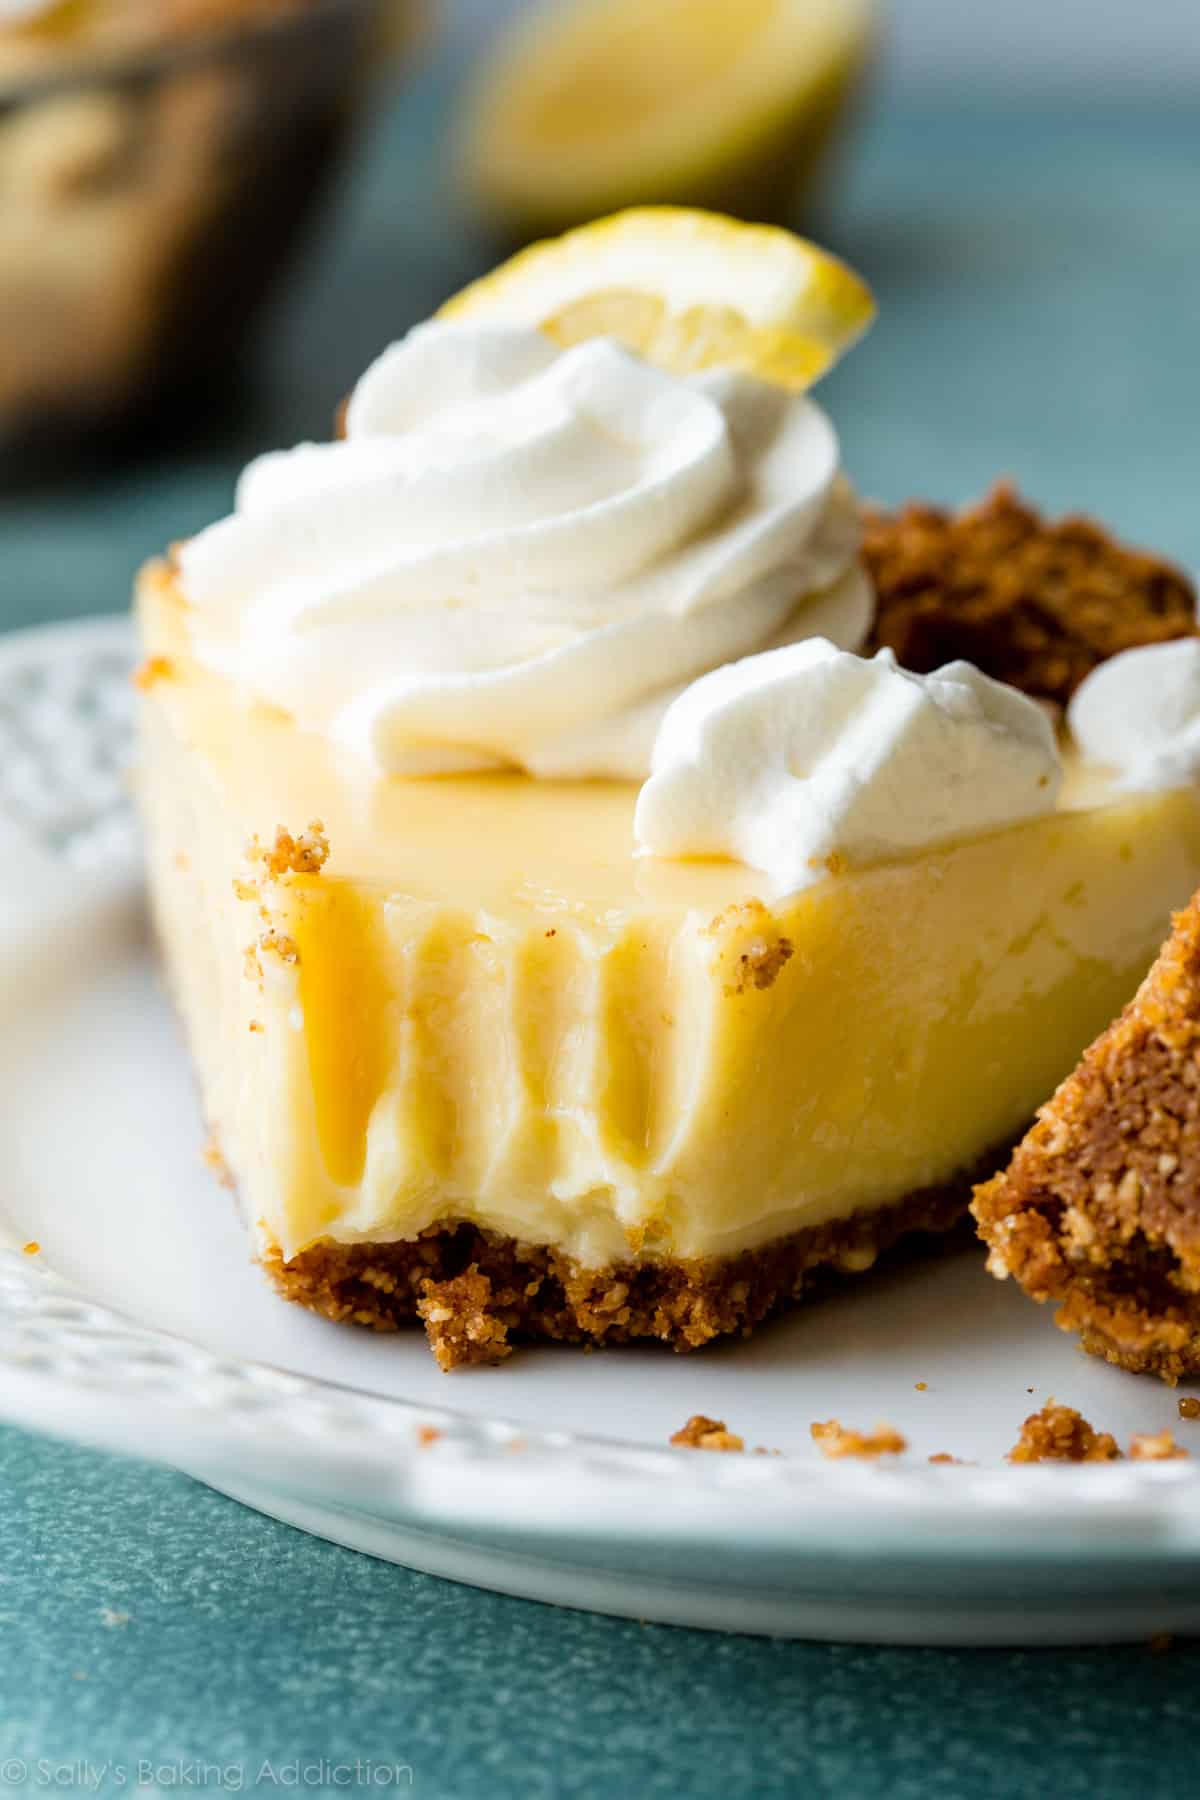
column 1032, row 601
column 703, row 1433
column 1060, row 1434
column 1099, row 1208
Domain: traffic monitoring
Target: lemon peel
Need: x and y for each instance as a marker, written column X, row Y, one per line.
column 687, row 290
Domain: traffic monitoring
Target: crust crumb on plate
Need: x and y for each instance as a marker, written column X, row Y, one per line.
column 1060, row 1434
column 1032, row 602
column 834, row 1440
column 701, row 1433
column 1098, row 1208
column 1189, row 1407
column 1154, row 1446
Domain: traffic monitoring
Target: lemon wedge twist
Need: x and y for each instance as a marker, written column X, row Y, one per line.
column 687, row 290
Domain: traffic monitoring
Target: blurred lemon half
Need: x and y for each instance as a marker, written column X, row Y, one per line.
column 590, row 105
column 686, row 289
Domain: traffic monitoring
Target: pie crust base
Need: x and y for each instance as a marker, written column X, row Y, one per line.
column 478, row 1293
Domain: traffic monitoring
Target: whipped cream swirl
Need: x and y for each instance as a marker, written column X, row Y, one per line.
column 802, row 759
column 519, row 556
column 1139, row 713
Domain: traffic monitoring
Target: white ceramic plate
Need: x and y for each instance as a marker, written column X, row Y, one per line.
column 141, row 1325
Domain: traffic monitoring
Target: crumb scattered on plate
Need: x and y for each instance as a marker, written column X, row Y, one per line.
column 1060, row 1434
column 1154, row 1446
column 833, row 1439
column 701, row 1433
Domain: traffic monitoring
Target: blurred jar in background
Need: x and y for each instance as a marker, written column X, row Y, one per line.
column 158, row 159
column 587, row 106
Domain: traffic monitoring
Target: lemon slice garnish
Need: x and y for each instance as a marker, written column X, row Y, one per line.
column 687, row 290
column 591, row 105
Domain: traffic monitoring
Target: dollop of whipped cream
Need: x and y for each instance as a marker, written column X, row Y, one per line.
column 520, row 555
column 1139, row 713
column 800, row 758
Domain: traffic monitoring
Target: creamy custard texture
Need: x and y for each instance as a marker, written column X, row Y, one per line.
column 489, row 1010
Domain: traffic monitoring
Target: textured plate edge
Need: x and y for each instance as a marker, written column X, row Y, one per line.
column 619, row 1592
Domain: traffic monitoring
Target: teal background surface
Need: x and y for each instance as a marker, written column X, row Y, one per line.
column 145, row 1619
column 1038, row 271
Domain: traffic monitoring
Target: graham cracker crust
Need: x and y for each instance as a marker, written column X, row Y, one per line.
column 1099, row 1207
column 478, row 1293
column 1031, row 601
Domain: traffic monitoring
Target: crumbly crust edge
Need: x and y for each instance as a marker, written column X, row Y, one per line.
column 1035, row 602
column 478, row 1293
column 1096, row 1209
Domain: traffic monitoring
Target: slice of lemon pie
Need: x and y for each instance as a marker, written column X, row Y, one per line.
column 635, row 947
